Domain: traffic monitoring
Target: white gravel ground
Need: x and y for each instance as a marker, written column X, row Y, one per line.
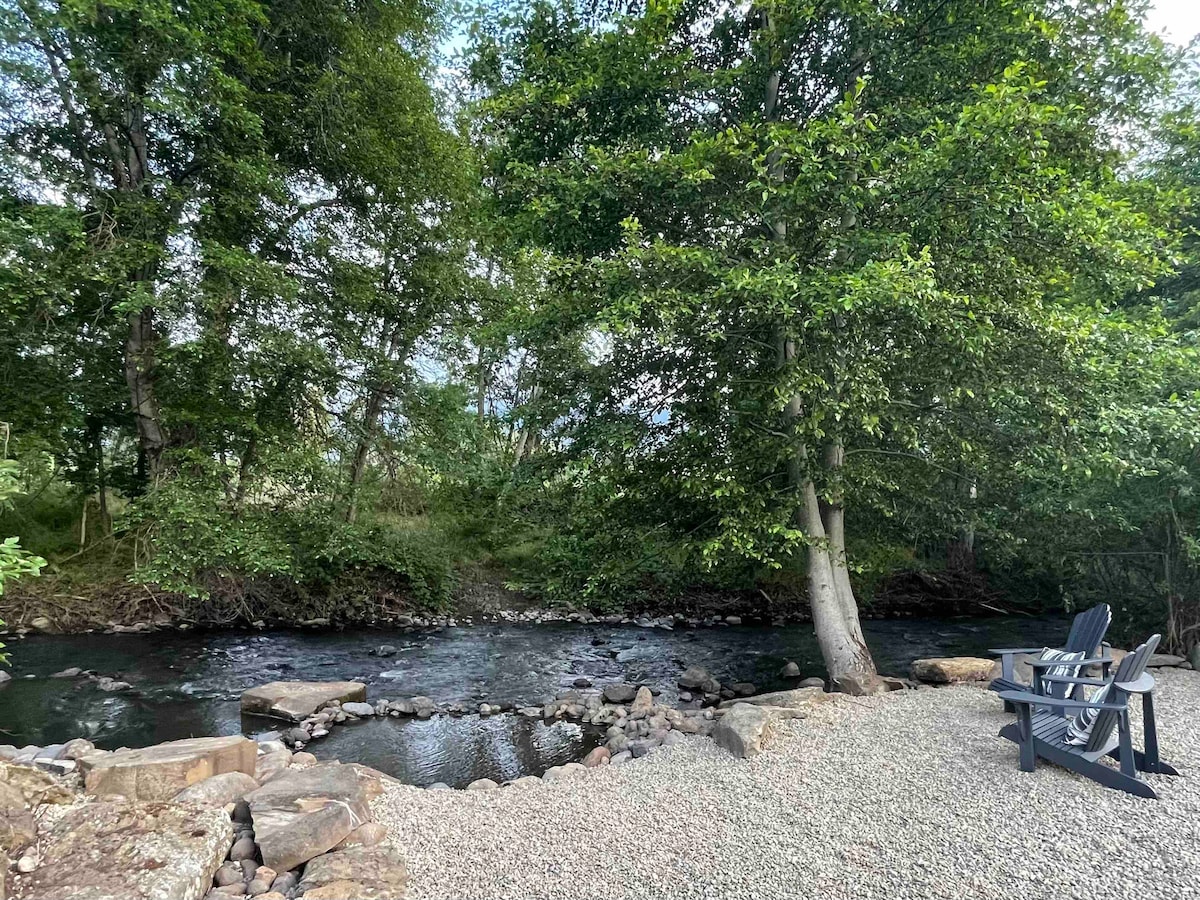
column 910, row 796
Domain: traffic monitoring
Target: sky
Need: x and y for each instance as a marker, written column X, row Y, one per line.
column 1176, row 20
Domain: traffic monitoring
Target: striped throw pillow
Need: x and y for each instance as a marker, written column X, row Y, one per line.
column 1079, row 729
column 1068, row 671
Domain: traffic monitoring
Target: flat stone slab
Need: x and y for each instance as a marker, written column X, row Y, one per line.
column 800, row 698
column 129, row 851
column 952, row 669
column 296, row 700
column 162, row 771
column 302, row 813
column 357, row 873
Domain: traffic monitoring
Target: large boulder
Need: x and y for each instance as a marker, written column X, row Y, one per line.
column 743, row 729
column 858, row 684
column 219, row 790
column 162, row 771
column 952, row 669
column 129, row 850
column 296, row 700
column 302, row 813
column 357, row 873
column 35, row 786
column 800, row 698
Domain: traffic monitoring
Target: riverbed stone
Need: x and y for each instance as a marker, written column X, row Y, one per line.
column 952, row 669
column 129, row 850
column 162, row 771
column 369, row 834
column 619, row 693
column 789, row 670
column 482, row 784
column 217, row 791
column 362, row 710
column 359, row 873
column 597, row 756
column 296, row 700
column 800, row 698
column 643, row 702
column 742, row 730
column 693, row 677
column 303, row 813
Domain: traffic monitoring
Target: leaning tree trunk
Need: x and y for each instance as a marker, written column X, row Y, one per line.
column 831, row 597
column 382, row 387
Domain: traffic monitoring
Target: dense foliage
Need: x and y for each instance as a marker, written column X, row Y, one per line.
column 629, row 303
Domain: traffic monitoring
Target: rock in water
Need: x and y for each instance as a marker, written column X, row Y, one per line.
column 620, row 693
column 952, row 669
column 693, row 677
column 362, row 710
column 598, row 756
column 218, row 790
column 296, row 700
column 643, row 702
column 303, row 813
column 361, row 873
column 123, row 850
column 742, row 730
column 789, row 670
column 162, row 771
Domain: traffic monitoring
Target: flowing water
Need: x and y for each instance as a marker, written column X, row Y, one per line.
column 188, row 684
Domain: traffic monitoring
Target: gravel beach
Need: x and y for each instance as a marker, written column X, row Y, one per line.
column 908, row 796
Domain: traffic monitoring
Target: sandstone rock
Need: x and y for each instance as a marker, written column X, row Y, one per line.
column 295, row 700
column 34, row 786
column 369, row 834
column 800, row 698
column 1164, row 660
column 598, row 756
column 952, row 669
column 742, row 730
column 218, row 790
column 643, row 702
column 693, row 677
column 162, row 771
column 619, row 693
column 857, row 685
column 243, row 848
column 120, row 850
column 271, row 764
column 362, row 710
column 482, row 784
column 303, row 759
column 303, row 813
column 17, row 826
column 77, row 749
column 524, row 781
column 360, row 873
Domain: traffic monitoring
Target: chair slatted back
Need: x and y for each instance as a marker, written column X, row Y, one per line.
column 1088, row 630
column 1130, row 669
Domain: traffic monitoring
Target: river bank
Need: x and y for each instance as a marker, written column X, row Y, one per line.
column 906, row 795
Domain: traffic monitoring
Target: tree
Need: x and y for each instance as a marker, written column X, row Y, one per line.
column 822, row 244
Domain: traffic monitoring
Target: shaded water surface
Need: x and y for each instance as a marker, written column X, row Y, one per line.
column 188, row 684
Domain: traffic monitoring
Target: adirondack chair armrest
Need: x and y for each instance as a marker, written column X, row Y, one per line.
column 1013, row 651
column 1054, row 663
column 1143, row 685
column 1027, row 699
column 1071, row 679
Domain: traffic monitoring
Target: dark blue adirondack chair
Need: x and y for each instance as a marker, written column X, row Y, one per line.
column 1086, row 636
column 1041, row 731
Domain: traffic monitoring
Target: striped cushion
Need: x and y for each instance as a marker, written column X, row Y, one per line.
column 1068, row 671
column 1079, row 729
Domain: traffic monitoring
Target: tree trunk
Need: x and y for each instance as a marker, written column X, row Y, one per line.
column 140, row 379
column 381, row 388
